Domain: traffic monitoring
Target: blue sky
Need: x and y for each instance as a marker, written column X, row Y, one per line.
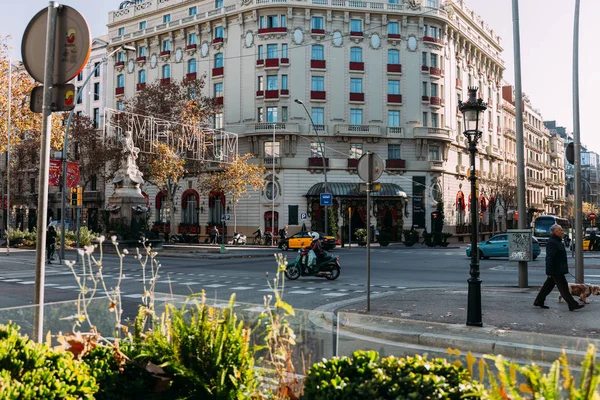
column 546, row 49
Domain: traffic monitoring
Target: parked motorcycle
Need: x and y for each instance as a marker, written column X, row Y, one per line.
column 327, row 266
column 238, row 238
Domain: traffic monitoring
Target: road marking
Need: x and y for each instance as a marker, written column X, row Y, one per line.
column 133, row 296
column 265, row 290
column 51, row 284
column 301, row 292
column 242, row 288
column 67, row 287
column 26, row 282
column 335, row 294
column 255, row 309
column 214, row 286
column 11, row 280
column 189, row 283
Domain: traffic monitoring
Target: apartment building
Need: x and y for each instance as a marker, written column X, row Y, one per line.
column 380, row 76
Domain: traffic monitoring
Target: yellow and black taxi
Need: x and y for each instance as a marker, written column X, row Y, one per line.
column 303, row 239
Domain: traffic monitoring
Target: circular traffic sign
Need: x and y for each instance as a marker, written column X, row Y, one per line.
column 72, row 49
column 377, row 167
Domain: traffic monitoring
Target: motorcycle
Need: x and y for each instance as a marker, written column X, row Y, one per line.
column 238, row 238
column 328, row 266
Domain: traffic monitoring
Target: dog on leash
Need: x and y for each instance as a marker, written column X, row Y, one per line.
column 583, row 291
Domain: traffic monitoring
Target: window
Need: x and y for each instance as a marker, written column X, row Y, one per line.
column 121, row 31
column 218, row 32
column 317, row 23
column 424, row 59
column 120, row 105
column 392, row 1
column 272, row 51
column 79, row 97
column 218, row 60
column 120, row 80
column 218, row 121
column 292, row 215
column 32, row 185
column 166, row 18
column 284, row 114
column 271, row 149
column 284, row 82
column 192, row 11
column 80, row 76
column 318, row 84
column 355, row 25
column 433, row 60
column 356, row 85
column 434, row 90
column 260, row 83
column 142, row 51
column 166, row 71
column 356, row 54
column 431, row 3
column 218, row 3
column 260, row 114
column 191, row 66
column 272, row 82
column 96, row 70
column 271, row 114
column 434, row 32
column 284, row 50
column 394, row 152
column 316, row 149
column 318, row 115
column 262, row 22
column 435, row 120
column 94, row 183
column 96, row 91
column 394, row 118
column 434, row 153
column 218, row 89
column 142, row 25
column 393, row 56
column 121, row 56
column 356, row 150
column 260, row 52
column 425, row 89
column 142, row 76
column 166, row 45
column 96, row 118
column 317, row 52
column 356, row 116
column 393, row 87
column 393, row 28
column 190, row 212
column 425, row 118
column 283, row 21
column 191, row 39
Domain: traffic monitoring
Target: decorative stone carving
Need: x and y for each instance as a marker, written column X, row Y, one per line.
column 347, row 17
column 329, row 15
column 246, row 2
column 404, row 21
column 413, row 4
column 367, row 18
column 384, row 20
column 307, row 14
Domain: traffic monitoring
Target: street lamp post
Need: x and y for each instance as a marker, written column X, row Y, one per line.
column 322, row 147
column 472, row 111
column 66, row 147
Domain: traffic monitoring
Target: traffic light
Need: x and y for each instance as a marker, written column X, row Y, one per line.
column 570, row 153
column 79, row 196
column 74, row 196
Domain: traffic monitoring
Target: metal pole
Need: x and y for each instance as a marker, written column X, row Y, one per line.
column 322, row 147
column 521, row 202
column 78, row 223
column 474, row 295
column 273, row 187
column 9, row 126
column 40, row 256
column 65, row 152
column 370, row 161
column 577, row 151
column 350, row 227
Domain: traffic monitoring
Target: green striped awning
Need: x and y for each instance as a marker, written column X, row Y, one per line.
column 345, row 189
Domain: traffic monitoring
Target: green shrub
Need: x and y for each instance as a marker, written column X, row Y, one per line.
column 364, row 375
column 29, row 370
column 85, row 237
column 361, row 234
column 204, row 351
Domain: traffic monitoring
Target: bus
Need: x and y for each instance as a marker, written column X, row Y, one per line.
column 542, row 224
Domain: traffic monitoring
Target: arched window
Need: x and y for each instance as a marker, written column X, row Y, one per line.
column 216, row 207
column 393, row 56
column 163, row 212
column 191, row 66
column 166, row 71
column 356, row 54
column 189, row 207
column 142, row 76
column 218, row 60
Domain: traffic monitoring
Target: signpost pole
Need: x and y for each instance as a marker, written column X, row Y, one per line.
column 349, row 226
column 40, row 257
column 369, row 181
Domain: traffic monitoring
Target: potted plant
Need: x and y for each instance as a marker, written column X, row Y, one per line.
column 411, row 236
column 445, row 237
column 428, row 239
column 361, row 236
column 385, row 238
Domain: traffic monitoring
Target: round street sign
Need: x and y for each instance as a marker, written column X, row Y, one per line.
column 72, row 50
column 377, row 166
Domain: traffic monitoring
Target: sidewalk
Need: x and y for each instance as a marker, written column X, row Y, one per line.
column 512, row 326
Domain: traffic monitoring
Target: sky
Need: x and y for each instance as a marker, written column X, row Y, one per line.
column 546, row 29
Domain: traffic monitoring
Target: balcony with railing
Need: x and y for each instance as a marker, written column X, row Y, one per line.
column 191, row 76
column 272, row 95
column 318, row 95
column 268, row 127
column 271, row 63
column 422, row 132
column 140, row 86
column 394, row 68
column 165, row 81
column 429, row 39
column 394, row 131
column 357, row 66
column 425, row 99
column 394, row 98
column 436, row 72
column 317, row 162
column 318, row 64
column 357, row 97
column 357, row 130
column 263, row 31
column 217, row 72
column 425, row 69
column 435, row 102
column 352, row 163
column 271, row 161
column 395, row 163
column 119, row 91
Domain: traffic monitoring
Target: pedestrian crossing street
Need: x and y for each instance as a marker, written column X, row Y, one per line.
column 214, row 284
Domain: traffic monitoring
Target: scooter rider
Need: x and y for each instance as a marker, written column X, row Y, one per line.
column 315, row 246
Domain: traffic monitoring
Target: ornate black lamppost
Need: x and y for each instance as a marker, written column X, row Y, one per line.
column 472, row 111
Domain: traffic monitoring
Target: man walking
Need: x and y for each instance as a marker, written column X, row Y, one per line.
column 556, row 269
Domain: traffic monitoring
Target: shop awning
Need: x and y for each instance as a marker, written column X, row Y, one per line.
column 345, row 189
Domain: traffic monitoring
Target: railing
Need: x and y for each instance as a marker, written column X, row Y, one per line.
column 432, row 133
column 271, row 160
column 394, row 131
column 353, row 129
column 395, row 163
column 394, row 68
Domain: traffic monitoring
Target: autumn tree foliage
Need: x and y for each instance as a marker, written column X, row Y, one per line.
column 234, row 180
column 177, row 102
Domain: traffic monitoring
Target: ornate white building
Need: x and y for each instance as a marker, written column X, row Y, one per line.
column 380, row 76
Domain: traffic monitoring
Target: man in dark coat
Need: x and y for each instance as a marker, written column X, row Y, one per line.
column 556, row 269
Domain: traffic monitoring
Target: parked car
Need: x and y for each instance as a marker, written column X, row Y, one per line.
column 586, row 242
column 303, row 239
column 497, row 246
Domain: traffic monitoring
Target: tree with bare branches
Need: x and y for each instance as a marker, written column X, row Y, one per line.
column 504, row 190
